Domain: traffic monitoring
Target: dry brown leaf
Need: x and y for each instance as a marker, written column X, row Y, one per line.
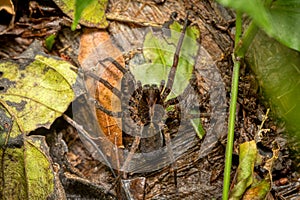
column 89, row 41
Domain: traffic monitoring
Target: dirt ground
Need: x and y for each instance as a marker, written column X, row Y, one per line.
column 200, row 167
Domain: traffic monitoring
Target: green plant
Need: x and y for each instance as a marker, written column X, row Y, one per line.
column 279, row 19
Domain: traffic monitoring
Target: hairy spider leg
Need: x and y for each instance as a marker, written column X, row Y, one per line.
column 162, row 86
column 171, row 154
column 114, row 90
column 128, row 100
column 106, row 111
column 172, row 72
column 173, row 101
column 116, row 64
column 133, row 149
column 128, row 85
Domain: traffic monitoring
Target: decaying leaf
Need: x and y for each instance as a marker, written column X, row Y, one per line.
column 93, row 15
column 26, row 172
column 249, row 186
column 247, row 155
column 38, row 92
column 258, row 191
column 25, row 167
column 270, row 162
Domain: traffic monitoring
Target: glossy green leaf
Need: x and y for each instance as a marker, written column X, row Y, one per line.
column 38, row 92
column 280, row 20
column 278, row 70
column 285, row 15
column 255, row 9
column 247, row 159
column 91, row 12
column 158, row 52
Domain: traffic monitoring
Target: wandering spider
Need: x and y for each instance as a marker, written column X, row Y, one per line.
column 151, row 117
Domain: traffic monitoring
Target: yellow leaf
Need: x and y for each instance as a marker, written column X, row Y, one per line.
column 37, row 93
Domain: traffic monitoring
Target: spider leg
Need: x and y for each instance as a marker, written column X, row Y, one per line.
column 177, row 99
column 113, row 61
column 106, row 111
column 133, row 149
column 171, row 154
column 173, row 101
column 128, row 99
column 114, row 90
column 172, row 73
column 162, row 86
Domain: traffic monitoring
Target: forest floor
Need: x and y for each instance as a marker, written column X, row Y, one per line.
column 199, row 168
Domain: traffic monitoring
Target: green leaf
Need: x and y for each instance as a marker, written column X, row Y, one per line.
column 91, row 12
column 27, row 173
column 25, row 169
column 50, row 42
column 39, row 173
column 158, row 52
column 80, row 5
column 255, row 8
column 278, row 70
column 247, row 159
column 38, row 92
column 285, row 15
column 197, row 125
column 280, row 20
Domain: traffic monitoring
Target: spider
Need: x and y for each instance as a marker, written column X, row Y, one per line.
column 146, row 113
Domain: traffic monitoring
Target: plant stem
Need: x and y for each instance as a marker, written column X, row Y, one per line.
column 238, row 28
column 232, row 110
column 230, row 136
column 242, row 46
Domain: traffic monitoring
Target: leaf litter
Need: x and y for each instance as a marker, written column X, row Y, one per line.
column 203, row 177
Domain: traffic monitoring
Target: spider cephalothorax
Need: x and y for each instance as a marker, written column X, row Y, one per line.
column 147, row 109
